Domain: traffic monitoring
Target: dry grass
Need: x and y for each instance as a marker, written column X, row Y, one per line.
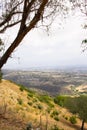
column 82, row 88
column 15, row 112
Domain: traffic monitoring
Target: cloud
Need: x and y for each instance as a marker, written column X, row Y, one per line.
column 61, row 47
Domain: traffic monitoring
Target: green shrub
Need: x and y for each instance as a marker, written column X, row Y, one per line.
column 21, row 89
column 51, row 105
column 66, row 118
column 48, row 109
column 54, row 113
column 34, row 100
column 46, row 99
column 26, row 89
column 20, row 101
column 39, row 106
column 60, row 100
column 30, row 103
column 73, row 120
column 55, row 127
column 29, row 126
column 30, row 94
column 56, row 118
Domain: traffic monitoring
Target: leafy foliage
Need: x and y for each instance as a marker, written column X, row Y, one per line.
column 73, row 119
column 46, row 99
column 78, row 105
column 20, row 101
column 55, row 114
column 60, row 100
column 29, row 126
column 84, row 41
column 55, row 127
column 30, row 14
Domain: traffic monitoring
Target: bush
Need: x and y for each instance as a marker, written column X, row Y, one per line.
column 21, row 89
column 54, row 113
column 46, row 99
column 30, row 94
column 56, row 118
column 73, row 120
column 48, row 109
column 55, row 127
column 60, row 100
column 20, row 101
column 66, row 118
column 39, row 106
column 29, row 126
column 34, row 100
column 30, row 103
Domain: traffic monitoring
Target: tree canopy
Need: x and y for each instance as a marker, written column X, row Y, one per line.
column 78, row 105
column 29, row 14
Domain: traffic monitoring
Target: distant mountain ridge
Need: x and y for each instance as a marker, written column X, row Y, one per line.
column 52, row 82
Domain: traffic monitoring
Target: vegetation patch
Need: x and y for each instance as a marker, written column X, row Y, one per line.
column 30, row 103
column 39, row 106
column 36, row 109
column 54, row 115
column 22, row 88
column 55, row 127
column 73, row 119
column 46, row 99
column 20, row 101
column 60, row 100
column 49, row 109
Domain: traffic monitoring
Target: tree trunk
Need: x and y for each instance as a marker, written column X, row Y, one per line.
column 23, row 31
column 9, row 51
column 82, row 127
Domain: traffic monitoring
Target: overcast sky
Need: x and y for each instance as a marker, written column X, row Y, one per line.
column 61, row 48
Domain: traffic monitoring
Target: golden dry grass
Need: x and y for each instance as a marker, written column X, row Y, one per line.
column 15, row 112
column 82, row 88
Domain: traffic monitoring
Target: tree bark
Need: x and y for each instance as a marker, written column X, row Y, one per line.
column 9, row 51
column 82, row 127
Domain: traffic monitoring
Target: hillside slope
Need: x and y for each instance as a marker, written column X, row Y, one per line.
column 20, row 107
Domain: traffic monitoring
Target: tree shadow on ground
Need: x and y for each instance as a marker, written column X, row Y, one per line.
column 75, row 126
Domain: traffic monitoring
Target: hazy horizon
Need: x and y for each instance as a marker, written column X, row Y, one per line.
column 50, row 68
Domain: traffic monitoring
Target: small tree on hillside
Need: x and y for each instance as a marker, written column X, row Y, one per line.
column 78, row 105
